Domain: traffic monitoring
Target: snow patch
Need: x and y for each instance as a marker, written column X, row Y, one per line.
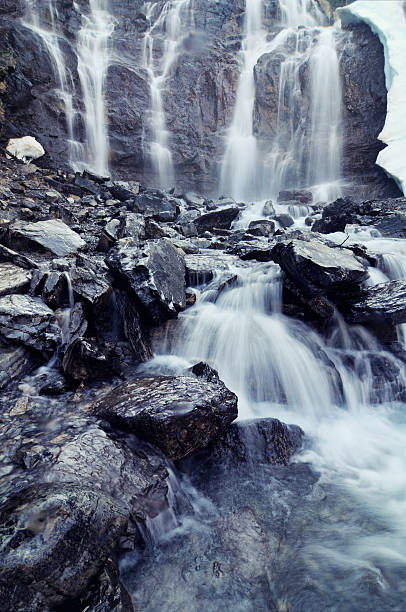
column 388, row 21
column 25, row 148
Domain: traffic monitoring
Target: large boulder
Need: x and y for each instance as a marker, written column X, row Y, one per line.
column 179, row 415
column 55, row 541
column 51, row 236
column 316, row 268
column 380, row 305
column 157, row 205
column 219, row 219
column 86, row 359
column 387, row 216
column 155, row 274
column 27, row 320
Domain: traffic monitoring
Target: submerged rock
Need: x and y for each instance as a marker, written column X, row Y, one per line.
column 179, row 415
column 155, row 274
column 316, row 268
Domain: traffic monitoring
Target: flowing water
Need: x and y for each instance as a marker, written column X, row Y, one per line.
column 83, row 94
column 170, row 24
column 306, row 147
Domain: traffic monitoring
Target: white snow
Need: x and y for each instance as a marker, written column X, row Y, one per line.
column 25, row 148
column 387, row 19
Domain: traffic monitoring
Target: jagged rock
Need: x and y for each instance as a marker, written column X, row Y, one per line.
column 157, row 205
column 15, row 362
column 316, row 268
column 387, row 216
column 379, row 305
column 56, row 539
column 8, row 255
column 124, row 191
column 179, row 415
column 133, row 329
column 262, row 227
column 155, row 273
column 93, row 288
column 219, row 219
column 13, row 279
column 132, row 225
column 25, row 148
column 51, row 383
column 53, row 288
column 52, row 236
column 316, row 310
column 86, row 359
column 27, row 320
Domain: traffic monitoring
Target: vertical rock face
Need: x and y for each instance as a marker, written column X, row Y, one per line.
column 198, row 98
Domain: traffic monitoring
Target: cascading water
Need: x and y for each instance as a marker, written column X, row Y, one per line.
column 170, row 24
column 91, row 51
column 306, row 148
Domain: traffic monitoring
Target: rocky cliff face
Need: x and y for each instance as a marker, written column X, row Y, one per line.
column 198, row 99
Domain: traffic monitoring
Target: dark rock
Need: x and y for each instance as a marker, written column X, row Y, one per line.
column 56, row 539
column 93, row 288
column 27, row 320
column 318, row 269
column 13, row 279
column 52, row 236
column 86, row 359
column 298, row 195
column 15, row 362
column 261, row 227
column 124, row 191
column 51, row 383
column 156, row 205
column 220, row 219
column 133, row 328
column 8, row 255
column 316, row 310
column 379, row 305
column 179, row 415
column 387, row 216
column 284, row 220
column 155, row 274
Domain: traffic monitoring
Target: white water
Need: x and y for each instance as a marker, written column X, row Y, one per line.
column 250, row 173
column 170, row 24
column 86, row 103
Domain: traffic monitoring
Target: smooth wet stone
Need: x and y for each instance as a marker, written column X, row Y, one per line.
column 284, row 220
column 13, row 279
column 27, row 320
column 381, row 304
column 155, row 275
column 219, row 219
column 316, row 268
column 51, row 236
column 178, row 415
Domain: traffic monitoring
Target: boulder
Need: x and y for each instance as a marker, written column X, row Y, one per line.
column 387, row 216
column 268, row 209
column 56, row 540
column 133, row 328
column 262, row 227
column 219, row 219
column 284, row 220
column 86, row 359
column 51, row 236
column 379, row 305
column 10, row 256
column 27, row 320
column 25, row 148
column 179, row 415
column 93, row 288
column 155, row 274
column 123, row 190
column 157, row 205
column 13, row 279
column 316, row 268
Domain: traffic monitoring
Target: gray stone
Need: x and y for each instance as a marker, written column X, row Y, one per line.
column 52, row 236
column 219, row 219
column 15, row 362
column 380, row 305
column 13, row 279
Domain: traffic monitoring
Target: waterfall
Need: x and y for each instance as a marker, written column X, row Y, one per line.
column 306, row 148
column 82, row 97
column 170, row 24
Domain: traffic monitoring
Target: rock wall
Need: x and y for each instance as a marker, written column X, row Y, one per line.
column 198, row 101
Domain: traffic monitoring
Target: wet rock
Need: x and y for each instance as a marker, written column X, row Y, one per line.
column 316, row 268
column 51, row 383
column 15, row 362
column 379, row 305
column 8, row 255
column 132, row 225
column 387, row 216
column 219, row 219
column 155, row 274
column 297, row 195
column 284, row 220
column 13, row 279
column 123, row 190
column 86, row 359
column 262, row 227
column 93, row 288
column 179, row 415
column 268, row 209
column 316, row 310
column 133, row 328
column 52, row 236
column 56, row 539
column 27, row 320
column 109, row 594
column 54, row 287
